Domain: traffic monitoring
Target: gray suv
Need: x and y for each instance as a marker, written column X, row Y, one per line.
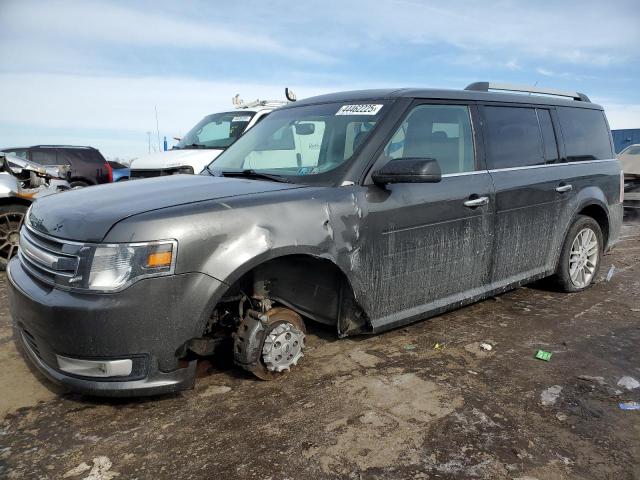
column 361, row 210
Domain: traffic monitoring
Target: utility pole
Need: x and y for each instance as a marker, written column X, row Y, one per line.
column 149, row 140
column 158, row 129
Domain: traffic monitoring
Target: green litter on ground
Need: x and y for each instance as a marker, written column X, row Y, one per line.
column 542, row 355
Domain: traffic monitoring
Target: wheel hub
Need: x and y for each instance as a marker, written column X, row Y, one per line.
column 14, row 237
column 283, row 347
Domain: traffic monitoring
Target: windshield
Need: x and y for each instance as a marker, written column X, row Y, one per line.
column 305, row 141
column 218, row 130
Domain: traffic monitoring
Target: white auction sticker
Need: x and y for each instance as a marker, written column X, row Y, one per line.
column 362, row 109
column 240, row 119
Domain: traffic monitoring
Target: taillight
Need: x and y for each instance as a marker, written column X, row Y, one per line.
column 621, row 186
column 109, row 172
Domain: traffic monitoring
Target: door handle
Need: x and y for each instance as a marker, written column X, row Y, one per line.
column 476, row 202
column 564, row 188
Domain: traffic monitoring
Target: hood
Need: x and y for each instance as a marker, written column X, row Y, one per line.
column 87, row 214
column 197, row 158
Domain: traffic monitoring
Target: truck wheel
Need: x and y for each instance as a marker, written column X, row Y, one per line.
column 280, row 345
column 11, row 218
column 580, row 256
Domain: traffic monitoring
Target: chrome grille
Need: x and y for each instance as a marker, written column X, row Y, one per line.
column 47, row 258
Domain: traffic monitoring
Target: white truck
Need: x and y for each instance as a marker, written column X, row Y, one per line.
column 204, row 142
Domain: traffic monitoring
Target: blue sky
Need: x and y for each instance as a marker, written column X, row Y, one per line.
column 92, row 72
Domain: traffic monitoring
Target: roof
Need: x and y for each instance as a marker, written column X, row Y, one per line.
column 429, row 93
column 48, row 146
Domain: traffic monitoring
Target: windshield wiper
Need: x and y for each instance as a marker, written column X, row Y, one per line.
column 249, row 173
column 194, row 145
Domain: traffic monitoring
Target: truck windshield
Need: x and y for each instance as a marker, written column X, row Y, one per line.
column 303, row 143
column 218, row 130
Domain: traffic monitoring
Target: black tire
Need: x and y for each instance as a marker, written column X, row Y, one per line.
column 563, row 273
column 11, row 218
column 78, row 184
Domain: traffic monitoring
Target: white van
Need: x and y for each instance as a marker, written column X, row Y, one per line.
column 205, row 141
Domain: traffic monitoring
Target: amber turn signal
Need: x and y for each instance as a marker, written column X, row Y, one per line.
column 159, row 259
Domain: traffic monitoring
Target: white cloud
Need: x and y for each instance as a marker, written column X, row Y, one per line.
column 621, row 115
column 99, row 23
column 585, row 32
column 120, row 104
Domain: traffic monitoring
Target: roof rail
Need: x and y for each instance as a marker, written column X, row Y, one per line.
column 61, row 146
column 507, row 87
column 262, row 103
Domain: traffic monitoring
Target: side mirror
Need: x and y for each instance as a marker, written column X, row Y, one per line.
column 408, row 170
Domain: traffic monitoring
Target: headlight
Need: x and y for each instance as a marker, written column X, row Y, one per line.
column 113, row 267
column 96, row 267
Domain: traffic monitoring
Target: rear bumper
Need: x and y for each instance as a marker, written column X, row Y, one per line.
column 147, row 323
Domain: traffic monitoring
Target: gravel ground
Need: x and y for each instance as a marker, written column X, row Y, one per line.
column 390, row 406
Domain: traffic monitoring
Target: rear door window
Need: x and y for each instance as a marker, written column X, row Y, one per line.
column 44, row 157
column 585, row 134
column 513, row 137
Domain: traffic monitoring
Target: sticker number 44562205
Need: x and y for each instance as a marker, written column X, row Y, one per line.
column 362, row 109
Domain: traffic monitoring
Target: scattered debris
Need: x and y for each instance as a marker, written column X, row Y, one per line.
column 486, row 347
column 74, row 472
column 610, row 273
column 439, row 346
column 100, row 470
column 599, row 380
column 629, row 383
column 635, row 309
column 410, row 347
column 561, row 416
column 542, row 355
column 629, row 405
column 550, row 395
column 215, row 390
column 586, row 409
column 472, row 372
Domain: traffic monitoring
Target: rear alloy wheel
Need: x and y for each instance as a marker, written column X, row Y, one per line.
column 580, row 256
column 583, row 258
column 282, row 345
column 11, row 218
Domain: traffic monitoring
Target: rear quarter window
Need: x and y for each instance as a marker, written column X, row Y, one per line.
column 585, row 134
column 73, row 156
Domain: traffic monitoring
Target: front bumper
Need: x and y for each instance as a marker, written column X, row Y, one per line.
column 148, row 322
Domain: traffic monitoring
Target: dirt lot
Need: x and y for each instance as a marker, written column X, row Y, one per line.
column 390, row 406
